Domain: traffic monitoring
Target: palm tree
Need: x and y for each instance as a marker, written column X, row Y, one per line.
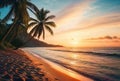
column 2, row 28
column 19, row 27
column 19, row 11
column 41, row 23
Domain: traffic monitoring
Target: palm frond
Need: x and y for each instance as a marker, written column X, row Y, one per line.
column 43, row 33
column 37, row 31
column 32, row 31
column 34, row 12
column 40, row 32
column 32, row 19
column 32, row 24
column 31, row 10
column 40, row 29
column 49, row 29
column 33, row 7
column 51, row 23
column 43, row 13
column 4, row 3
column 49, row 17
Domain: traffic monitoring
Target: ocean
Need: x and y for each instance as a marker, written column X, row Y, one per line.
column 99, row 64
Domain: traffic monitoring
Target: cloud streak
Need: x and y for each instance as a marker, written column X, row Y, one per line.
column 72, row 14
column 102, row 21
column 112, row 38
column 72, row 18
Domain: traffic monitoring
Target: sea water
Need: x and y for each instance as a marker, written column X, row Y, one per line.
column 99, row 64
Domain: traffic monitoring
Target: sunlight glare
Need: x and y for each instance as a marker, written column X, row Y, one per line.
column 74, row 43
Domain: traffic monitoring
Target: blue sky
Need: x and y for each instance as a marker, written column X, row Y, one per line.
column 55, row 6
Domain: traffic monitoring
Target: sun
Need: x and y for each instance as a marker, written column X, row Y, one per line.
column 74, row 43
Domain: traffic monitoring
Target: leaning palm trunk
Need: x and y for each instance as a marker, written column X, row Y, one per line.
column 8, row 32
column 14, row 35
column 22, row 17
column 16, row 31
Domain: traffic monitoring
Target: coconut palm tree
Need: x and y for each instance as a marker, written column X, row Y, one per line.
column 18, row 11
column 2, row 28
column 41, row 23
column 19, row 27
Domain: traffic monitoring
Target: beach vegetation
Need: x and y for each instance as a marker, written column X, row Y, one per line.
column 11, row 34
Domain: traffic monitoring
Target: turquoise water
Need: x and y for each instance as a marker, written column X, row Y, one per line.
column 99, row 64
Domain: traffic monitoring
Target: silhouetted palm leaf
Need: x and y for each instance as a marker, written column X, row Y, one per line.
column 42, row 23
column 50, row 17
column 49, row 29
column 4, row 3
column 32, row 24
column 51, row 23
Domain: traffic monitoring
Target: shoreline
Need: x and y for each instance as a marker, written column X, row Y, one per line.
column 54, row 72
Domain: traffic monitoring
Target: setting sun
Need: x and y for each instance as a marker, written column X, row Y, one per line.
column 74, row 42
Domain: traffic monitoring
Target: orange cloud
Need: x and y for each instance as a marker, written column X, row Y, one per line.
column 105, row 41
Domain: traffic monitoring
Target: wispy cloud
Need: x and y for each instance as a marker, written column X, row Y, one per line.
column 72, row 14
column 72, row 18
column 111, row 38
column 106, row 20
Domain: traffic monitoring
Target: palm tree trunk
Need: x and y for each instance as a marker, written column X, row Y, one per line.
column 12, row 37
column 8, row 32
column 15, row 33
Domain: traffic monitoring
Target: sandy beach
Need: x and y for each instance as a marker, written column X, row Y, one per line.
column 19, row 65
column 53, row 72
column 16, row 66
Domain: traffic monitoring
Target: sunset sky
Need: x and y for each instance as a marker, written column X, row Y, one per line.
column 82, row 23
